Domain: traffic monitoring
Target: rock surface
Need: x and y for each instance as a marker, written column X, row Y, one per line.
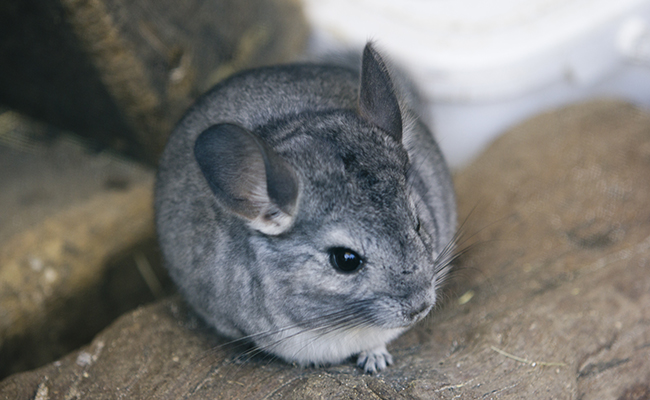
column 551, row 302
column 72, row 225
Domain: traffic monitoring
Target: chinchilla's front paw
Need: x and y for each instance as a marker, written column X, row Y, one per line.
column 374, row 360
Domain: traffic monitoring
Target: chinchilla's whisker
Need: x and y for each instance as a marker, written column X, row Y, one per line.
column 251, row 337
column 458, row 246
column 453, row 243
column 327, row 324
column 320, row 323
column 443, row 265
column 477, row 231
column 248, row 340
column 329, row 330
column 444, row 268
column 462, row 230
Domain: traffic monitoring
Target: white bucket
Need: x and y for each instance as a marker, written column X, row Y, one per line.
column 486, row 65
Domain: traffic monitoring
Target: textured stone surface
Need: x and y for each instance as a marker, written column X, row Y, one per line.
column 551, row 303
column 72, row 225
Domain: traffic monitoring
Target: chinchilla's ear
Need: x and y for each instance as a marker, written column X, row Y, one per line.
column 248, row 177
column 377, row 101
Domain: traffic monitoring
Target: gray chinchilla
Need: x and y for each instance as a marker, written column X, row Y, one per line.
column 308, row 208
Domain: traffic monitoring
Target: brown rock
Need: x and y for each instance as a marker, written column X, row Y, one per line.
column 123, row 72
column 554, row 305
column 72, row 225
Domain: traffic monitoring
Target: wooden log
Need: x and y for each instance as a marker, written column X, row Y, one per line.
column 122, row 72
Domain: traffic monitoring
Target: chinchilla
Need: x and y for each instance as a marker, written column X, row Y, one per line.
column 307, row 208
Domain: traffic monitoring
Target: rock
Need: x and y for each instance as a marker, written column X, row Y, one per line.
column 122, row 72
column 72, row 225
column 563, row 271
column 550, row 302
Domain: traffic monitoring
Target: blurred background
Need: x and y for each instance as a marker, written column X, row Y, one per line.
column 89, row 91
column 484, row 66
column 121, row 73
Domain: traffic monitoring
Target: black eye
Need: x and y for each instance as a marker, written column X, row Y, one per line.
column 345, row 260
column 417, row 225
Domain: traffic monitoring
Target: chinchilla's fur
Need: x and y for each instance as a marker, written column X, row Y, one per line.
column 307, row 208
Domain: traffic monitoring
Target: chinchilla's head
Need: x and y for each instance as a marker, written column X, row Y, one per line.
column 344, row 253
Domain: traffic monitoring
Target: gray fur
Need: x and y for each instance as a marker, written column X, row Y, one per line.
column 268, row 276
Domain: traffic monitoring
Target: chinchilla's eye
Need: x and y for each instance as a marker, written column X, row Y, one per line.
column 345, row 260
